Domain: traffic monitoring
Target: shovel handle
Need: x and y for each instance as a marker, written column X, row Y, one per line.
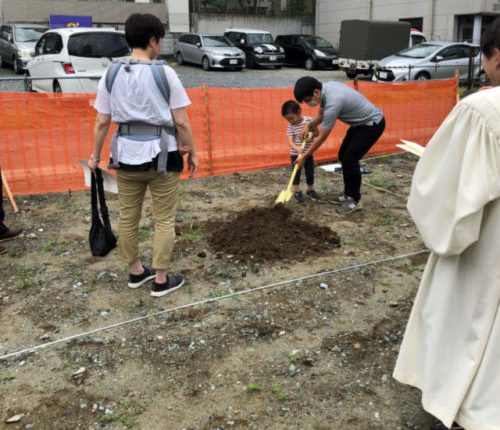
column 296, row 168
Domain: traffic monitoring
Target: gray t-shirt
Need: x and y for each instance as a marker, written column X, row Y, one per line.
column 345, row 103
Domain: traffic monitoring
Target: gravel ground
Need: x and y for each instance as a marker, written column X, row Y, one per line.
column 193, row 76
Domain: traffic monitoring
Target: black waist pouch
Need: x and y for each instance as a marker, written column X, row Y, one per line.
column 101, row 237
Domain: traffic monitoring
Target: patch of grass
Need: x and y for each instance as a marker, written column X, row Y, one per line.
column 381, row 221
column 145, row 232
column 63, row 366
column 7, row 377
column 194, row 233
column 221, row 273
column 109, row 418
column 254, row 386
column 385, row 159
column 410, row 269
column 189, row 288
column 89, row 288
column 219, row 293
column 49, row 245
column 281, row 397
column 54, row 245
column 378, row 183
column 24, row 277
column 385, row 282
column 295, row 358
column 126, row 416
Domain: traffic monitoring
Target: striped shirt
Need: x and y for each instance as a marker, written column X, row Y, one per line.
column 294, row 131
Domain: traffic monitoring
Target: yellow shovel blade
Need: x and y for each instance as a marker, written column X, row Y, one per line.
column 284, row 197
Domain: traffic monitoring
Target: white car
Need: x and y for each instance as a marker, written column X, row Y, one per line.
column 72, row 60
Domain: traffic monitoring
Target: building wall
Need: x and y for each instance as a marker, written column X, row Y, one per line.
column 213, row 23
column 102, row 12
column 439, row 16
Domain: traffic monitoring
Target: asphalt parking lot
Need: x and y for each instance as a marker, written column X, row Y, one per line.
column 193, row 76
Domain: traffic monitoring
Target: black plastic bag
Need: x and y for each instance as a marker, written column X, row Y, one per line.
column 101, row 237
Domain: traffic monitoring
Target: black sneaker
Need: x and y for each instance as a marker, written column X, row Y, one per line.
column 173, row 283
column 298, row 197
column 313, row 195
column 135, row 281
column 349, row 205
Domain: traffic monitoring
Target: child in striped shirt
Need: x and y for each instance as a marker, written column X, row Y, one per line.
column 292, row 112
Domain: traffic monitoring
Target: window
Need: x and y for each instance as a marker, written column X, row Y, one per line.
column 184, row 38
column 97, row 45
column 451, row 53
column 28, row 34
column 416, row 23
column 53, row 44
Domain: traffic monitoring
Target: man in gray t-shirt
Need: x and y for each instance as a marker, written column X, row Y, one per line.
column 367, row 123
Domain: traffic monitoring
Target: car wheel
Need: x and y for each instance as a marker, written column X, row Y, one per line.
column 351, row 74
column 180, row 60
column 28, row 83
column 57, row 87
column 15, row 66
column 205, row 63
column 310, row 64
column 422, row 76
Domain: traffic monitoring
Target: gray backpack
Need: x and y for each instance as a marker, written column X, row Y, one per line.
column 139, row 128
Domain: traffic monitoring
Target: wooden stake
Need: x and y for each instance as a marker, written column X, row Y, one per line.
column 457, row 77
column 9, row 194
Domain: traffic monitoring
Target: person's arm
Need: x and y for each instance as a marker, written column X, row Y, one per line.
column 293, row 146
column 312, row 125
column 317, row 142
column 185, row 142
column 101, row 127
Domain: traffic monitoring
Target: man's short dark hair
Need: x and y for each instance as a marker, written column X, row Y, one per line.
column 140, row 28
column 290, row 106
column 491, row 38
column 304, row 87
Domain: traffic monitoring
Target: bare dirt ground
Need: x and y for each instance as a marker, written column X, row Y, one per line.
column 311, row 352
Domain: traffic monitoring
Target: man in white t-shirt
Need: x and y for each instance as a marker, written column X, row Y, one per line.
column 135, row 100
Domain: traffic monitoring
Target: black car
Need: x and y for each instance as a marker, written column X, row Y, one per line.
column 259, row 47
column 308, row 51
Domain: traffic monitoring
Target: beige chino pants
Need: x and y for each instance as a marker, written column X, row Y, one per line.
column 164, row 192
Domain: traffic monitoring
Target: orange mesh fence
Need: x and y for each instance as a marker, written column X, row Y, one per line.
column 235, row 130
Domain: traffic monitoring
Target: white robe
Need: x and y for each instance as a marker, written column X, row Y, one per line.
column 451, row 347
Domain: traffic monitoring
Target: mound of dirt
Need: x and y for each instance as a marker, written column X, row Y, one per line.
column 269, row 234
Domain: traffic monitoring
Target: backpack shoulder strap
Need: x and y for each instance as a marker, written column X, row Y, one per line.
column 111, row 74
column 160, row 78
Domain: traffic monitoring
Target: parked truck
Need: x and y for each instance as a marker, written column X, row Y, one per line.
column 363, row 43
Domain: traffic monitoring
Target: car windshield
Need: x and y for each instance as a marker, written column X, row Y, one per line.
column 28, row 34
column 420, row 51
column 97, row 45
column 254, row 38
column 214, row 41
column 317, row 42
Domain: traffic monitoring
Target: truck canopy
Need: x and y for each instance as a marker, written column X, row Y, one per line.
column 372, row 40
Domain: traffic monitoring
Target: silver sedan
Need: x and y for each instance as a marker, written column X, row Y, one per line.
column 430, row 60
column 208, row 51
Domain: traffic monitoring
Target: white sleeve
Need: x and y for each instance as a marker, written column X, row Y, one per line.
column 101, row 103
column 178, row 96
column 458, row 174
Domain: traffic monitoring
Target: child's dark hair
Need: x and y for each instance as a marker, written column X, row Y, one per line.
column 140, row 28
column 290, row 106
column 491, row 38
column 304, row 87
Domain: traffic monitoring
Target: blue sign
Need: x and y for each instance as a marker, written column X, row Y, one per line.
column 68, row 21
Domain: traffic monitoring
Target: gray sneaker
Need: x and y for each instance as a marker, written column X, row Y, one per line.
column 338, row 199
column 349, row 206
